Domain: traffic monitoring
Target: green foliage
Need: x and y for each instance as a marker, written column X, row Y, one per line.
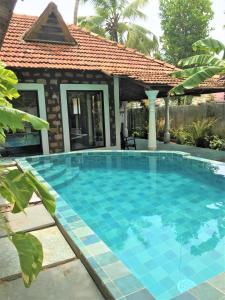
column 200, row 67
column 195, row 77
column 217, row 143
column 181, row 100
column 141, row 132
column 210, row 46
column 183, row 22
column 182, row 136
column 41, row 190
column 15, row 189
column 200, row 134
column 18, row 187
column 11, row 118
column 114, row 20
column 201, row 130
column 30, row 255
column 8, row 80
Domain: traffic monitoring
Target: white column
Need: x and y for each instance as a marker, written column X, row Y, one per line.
column 167, row 121
column 125, row 129
column 152, row 144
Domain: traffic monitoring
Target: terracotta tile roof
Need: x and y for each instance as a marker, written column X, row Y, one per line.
column 91, row 53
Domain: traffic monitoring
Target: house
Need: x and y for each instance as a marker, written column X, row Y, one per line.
column 77, row 81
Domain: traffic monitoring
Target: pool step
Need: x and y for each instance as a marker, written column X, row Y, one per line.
column 63, row 179
column 43, row 167
column 55, row 173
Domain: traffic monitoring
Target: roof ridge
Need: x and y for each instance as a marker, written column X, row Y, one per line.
column 23, row 15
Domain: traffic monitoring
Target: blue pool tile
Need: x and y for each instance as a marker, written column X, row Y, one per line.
column 102, row 275
column 140, row 295
column 185, row 296
column 128, row 284
column 73, row 218
column 154, row 210
column 106, row 258
column 114, row 291
column 90, row 239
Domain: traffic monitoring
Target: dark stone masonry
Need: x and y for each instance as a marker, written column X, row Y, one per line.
column 51, row 79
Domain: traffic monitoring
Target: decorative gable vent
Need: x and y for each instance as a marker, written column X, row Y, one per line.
column 50, row 27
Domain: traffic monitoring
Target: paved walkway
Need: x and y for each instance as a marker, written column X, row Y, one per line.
column 142, row 144
column 63, row 277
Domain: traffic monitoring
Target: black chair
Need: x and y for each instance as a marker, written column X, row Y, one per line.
column 127, row 143
column 130, row 143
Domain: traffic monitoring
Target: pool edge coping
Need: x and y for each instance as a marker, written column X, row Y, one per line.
column 110, row 287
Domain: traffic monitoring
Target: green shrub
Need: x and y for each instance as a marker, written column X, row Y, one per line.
column 217, row 143
column 141, row 132
column 200, row 131
column 182, row 136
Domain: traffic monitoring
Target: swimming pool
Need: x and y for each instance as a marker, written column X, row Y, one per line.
column 162, row 214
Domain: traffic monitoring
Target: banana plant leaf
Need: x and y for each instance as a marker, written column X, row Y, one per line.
column 195, row 79
column 187, row 72
column 209, row 45
column 201, row 60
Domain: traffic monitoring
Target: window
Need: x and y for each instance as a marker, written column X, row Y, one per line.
column 27, row 141
column 86, row 119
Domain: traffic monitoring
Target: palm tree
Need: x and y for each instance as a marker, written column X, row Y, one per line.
column 76, row 9
column 114, row 19
column 6, row 11
column 198, row 68
column 75, row 15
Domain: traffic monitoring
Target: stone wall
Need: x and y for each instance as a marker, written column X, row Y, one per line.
column 52, row 80
column 6, row 10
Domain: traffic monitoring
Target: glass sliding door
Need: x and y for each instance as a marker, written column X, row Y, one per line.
column 27, row 141
column 86, row 119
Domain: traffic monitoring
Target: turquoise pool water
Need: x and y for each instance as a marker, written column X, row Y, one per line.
column 162, row 215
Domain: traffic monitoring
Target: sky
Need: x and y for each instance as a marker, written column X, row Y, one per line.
column 35, row 7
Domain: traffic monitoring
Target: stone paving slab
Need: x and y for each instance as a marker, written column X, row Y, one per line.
column 56, row 251
column 35, row 217
column 69, row 281
column 34, row 199
column 7, row 162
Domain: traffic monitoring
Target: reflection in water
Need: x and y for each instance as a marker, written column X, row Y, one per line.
column 163, row 216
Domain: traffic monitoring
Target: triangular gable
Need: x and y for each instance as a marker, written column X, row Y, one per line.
column 50, row 27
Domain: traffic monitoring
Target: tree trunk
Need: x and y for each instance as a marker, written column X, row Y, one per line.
column 75, row 17
column 6, row 11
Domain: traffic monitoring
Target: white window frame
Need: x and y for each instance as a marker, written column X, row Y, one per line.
column 117, row 111
column 39, row 88
column 64, row 107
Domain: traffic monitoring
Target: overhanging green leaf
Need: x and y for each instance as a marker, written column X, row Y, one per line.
column 16, row 189
column 42, row 191
column 30, row 255
column 14, row 119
